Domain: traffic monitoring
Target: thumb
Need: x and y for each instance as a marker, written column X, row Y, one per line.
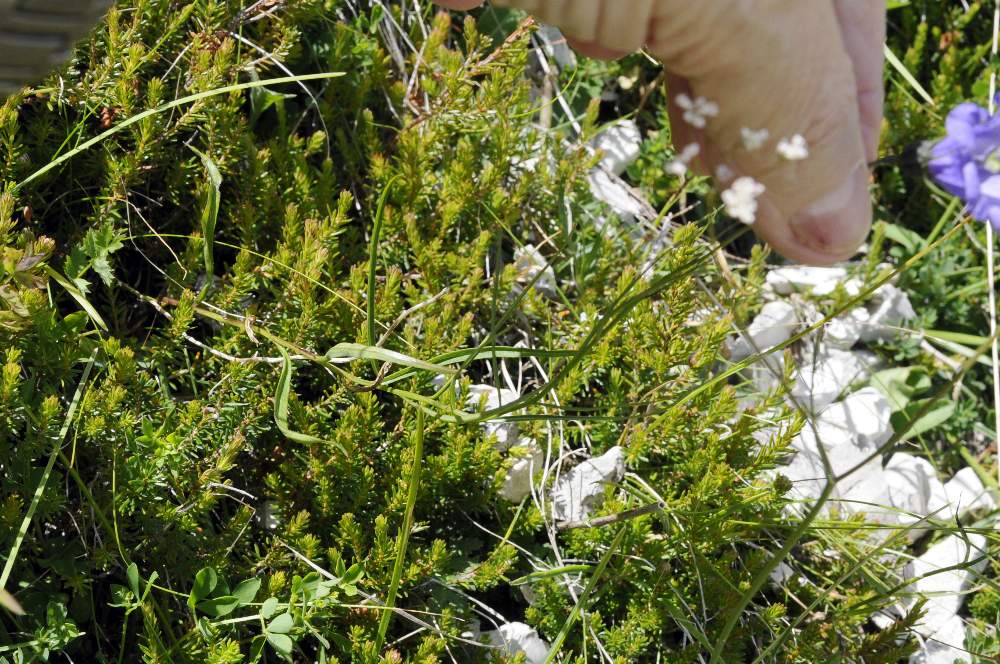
column 774, row 65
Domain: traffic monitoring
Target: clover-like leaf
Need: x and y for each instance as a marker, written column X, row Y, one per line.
column 268, row 608
column 204, row 583
column 219, row 606
column 245, row 591
column 282, row 624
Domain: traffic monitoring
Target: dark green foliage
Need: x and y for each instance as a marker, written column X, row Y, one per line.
column 227, row 240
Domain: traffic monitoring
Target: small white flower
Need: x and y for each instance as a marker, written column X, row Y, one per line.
column 697, row 111
column 754, row 139
column 793, row 149
column 723, row 173
column 679, row 166
column 741, row 199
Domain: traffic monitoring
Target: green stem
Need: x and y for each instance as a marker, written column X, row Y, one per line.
column 585, row 596
column 404, row 534
column 372, row 256
column 53, row 455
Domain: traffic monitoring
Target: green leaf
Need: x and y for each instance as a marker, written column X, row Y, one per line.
column 121, row 597
column 76, row 263
column 246, row 591
column 281, row 643
column 281, row 395
column 910, row 240
column 210, row 215
column 262, row 99
column 282, row 624
column 204, row 583
column 548, row 573
column 268, row 608
column 360, row 352
column 132, row 574
column 219, row 606
column 76, row 295
column 901, row 384
column 353, row 574
column 938, row 414
column 99, row 243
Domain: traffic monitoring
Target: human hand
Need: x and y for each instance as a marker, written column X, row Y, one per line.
column 790, row 67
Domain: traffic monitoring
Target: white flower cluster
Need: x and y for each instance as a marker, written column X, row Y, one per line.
column 697, row 111
column 680, row 165
column 741, row 199
column 754, row 139
column 793, row 149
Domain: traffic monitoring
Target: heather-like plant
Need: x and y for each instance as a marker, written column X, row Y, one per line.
column 255, row 261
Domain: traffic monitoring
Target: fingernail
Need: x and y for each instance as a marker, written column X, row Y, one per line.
column 837, row 224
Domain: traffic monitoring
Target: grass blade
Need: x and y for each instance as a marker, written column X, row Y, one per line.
column 210, row 215
column 361, row 352
column 53, row 455
column 190, row 99
column 585, row 596
column 403, row 540
column 80, row 298
column 281, row 395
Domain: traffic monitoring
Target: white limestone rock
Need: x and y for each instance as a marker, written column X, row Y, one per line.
column 516, row 637
column 851, row 286
column 889, row 309
column 804, row 279
column 844, row 331
column 864, row 418
column 945, row 592
column 533, row 269
column 582, row 489
column 945, row 646
column 621, row 144
column 805, row 470
column 966, row 494
column 528, row 459
column 615, row 194
column 914, row 488
column 765, row 375
column 774, row 325
column 488, row 397
column 827, row 376
column 941, row 631
column 850, row 432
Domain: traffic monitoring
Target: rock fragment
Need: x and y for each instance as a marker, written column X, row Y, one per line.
column 774, row 325
column 528, row 459
column 621, row 144
column 827, row 375
column 489, row 397
column 534, row 270
column 516, row 637
column 966, row 493
column 804, row 279
column 963, row 558
column 577, row 494
column 889, row 309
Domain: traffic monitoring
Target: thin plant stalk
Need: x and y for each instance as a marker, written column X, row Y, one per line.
column 991, row 253
column 53, row 455
column 402, row 541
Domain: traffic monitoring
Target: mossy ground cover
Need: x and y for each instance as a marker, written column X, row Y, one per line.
column 239, row 335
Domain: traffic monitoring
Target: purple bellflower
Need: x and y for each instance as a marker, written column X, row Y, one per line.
column 966, row 162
